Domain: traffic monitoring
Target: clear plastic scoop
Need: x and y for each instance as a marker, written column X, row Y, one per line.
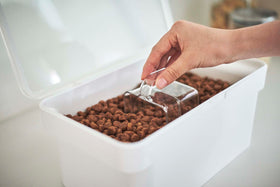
column 173, row 100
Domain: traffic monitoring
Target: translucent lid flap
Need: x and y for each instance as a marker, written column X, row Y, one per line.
column 53, row 44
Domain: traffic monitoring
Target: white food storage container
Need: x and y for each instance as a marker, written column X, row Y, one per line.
column 66, row 54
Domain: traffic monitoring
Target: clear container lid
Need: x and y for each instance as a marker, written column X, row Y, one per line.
column 54, row 45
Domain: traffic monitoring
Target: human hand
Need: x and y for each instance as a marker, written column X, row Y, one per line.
column 184, row 47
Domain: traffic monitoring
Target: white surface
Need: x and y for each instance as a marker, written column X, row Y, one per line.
column 29, row 157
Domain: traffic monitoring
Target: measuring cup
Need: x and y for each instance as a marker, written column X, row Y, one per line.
column 173, row 100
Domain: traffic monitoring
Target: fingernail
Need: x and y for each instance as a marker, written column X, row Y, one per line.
column 143, row 76
column 161, row 83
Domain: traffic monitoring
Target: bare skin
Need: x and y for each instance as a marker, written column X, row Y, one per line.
column 188, row 45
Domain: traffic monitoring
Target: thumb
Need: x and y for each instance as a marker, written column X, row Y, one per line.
column 172, row 72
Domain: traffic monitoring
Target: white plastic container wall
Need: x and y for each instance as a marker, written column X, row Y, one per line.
column 186, row 152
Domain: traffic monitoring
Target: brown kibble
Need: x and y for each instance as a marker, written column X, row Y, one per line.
column 101, row 128
column 145, row 130
column 112, row 130
column 186, row 109
column 88, row 110
column 207, row 87
column 80, row 113
column 93, row 125
column 103, row 103
column 133, row 121
column 158, row 113
column 153, row 123
column 108, row 124
column 159, row 121
column 100, row 122
column 77, row 118
column 213, row 92
column 105, row 109
column 225, row 85
column 134, row 128
column 116, row 117
column 105, row 131
column 121, row 105
column 198, row 84
column 130, row 133
column 116, row 123
column 139, row 128
column 113, row 110
column 92, row 118
column 217, row 87
column 123, row 126
column 129, row 127
column 211, row 83
column 115, row 100
column 118, row 111
column 83, row 121
column 146, row 118
column 138, row 124
column 119, row 131
column 101, row 115
column 126, row 116
column 149, row 112
column 132, row 116
column 140, row 114
column 152, row 129
column 134, row 138
column 86, row 122
column 108, row 115
column 141, row 134
column 120, row 98
column 112, row 136
column 69, row 115
column 124, row 137
column 195, row 78
column 122, row 118
column 113, row 105
column 97, row 107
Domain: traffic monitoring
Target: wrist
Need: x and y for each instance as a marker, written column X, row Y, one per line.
column 227, row 51
column 233, row 46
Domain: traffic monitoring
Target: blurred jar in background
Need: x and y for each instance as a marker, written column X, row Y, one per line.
column 244, row 17
column 220, row 12
column 233, row 14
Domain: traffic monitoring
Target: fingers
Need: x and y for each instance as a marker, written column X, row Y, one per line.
column 165, row 59
column 159, row 50
column 173, row 72
column 173, row 58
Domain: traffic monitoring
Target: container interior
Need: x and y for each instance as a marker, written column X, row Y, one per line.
column 119, row 81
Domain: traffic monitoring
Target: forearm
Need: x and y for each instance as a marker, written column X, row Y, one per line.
column 257, row 41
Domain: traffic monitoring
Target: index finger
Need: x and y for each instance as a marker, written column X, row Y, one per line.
column 158, row 51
